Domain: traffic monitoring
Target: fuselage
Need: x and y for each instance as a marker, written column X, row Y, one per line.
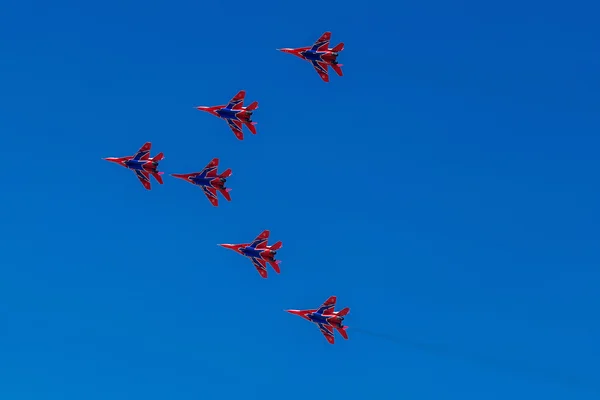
column 141, row 165
column 262, row 253
column 202, row 181
column 326, row 56
column 234, row 114
column 251, row 252
column 332, row 320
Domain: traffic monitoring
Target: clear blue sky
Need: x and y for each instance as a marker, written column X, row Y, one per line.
column 446, row 189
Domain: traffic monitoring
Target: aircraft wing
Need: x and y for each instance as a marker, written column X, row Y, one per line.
column 260, row 266
column 211, row 195
column 260, row 242
column 237, row 102
column 144, row 152
column 327, row 307
column 236, row 127
column 322, row 43
column 144, row 177
column 211, row 168
column 321, row 69
column 327, row 331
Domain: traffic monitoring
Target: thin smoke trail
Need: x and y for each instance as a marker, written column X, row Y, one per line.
column 513, row 367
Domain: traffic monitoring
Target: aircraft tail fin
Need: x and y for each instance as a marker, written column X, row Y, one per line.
column 338, row 69
column 276, row 246
column 253, row 106
column 338, row 48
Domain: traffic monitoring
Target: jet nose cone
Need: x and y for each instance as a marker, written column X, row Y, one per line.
column 233, row 247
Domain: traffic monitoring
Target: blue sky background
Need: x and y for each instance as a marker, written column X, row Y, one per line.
column 446, row 189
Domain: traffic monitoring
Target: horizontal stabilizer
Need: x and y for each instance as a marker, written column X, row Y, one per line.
column 225, row 193
column 338, row 48
column 343, row 332
column 158, row 177
column 251, row 127
column 343, row 312
column 158, row 157
column 275, row 265
column 338, row 69
column 225, row 174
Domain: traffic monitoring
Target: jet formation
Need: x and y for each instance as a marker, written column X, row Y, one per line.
column 212, row 182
